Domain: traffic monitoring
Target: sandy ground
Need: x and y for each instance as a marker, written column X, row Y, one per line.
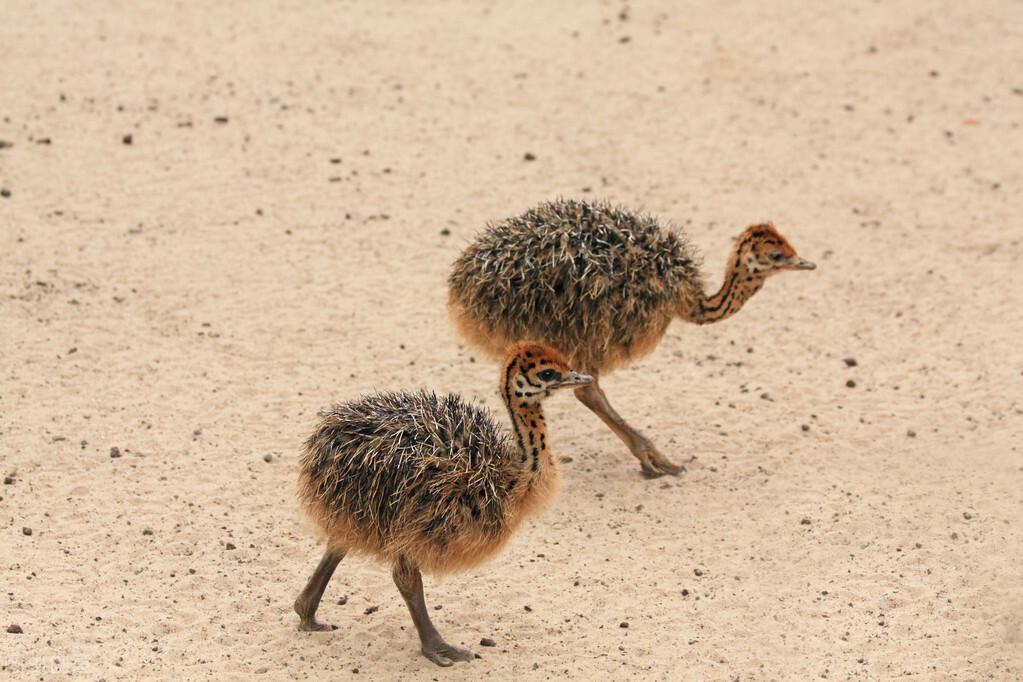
column 276, row 236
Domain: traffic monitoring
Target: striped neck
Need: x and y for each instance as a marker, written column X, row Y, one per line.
column 527, row 421
column 739, row 285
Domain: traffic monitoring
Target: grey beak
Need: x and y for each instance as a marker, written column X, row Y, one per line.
column 802, row 264
column 576, row 379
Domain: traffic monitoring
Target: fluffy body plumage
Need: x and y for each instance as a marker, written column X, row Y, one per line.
column 596, row 281
column 415, row 474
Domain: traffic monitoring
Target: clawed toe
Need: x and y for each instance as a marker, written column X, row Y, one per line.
column 654, row 464
column 315, row 626
column 445, row 655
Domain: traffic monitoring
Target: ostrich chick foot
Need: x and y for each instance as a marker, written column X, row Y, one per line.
column 443, row 654
column 655, row 464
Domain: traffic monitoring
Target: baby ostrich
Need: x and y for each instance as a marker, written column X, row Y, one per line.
column 429, row 483
column 601, row 284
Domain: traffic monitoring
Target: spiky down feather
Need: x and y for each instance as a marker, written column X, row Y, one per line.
column 597, row 281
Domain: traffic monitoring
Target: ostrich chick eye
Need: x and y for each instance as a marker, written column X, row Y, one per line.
column 548, row 375
column 777, row 256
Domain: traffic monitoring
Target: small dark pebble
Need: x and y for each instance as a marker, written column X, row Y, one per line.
column 14, row 629
column 529, row 156
column 371, row 609
column 5, row 193
column 355, row 671
column 4, row 144
column 44, row 140
column 115, row 452
column 8, row 480
column 445, row 232
column 685, row 592
column 624, row 624
column 804, row 521
column 805, row 427
column 850, row 384
column 342, row 601
column 911, row 433
column 486, row 641
column 220, row 119
column 147, row 531
column 26, row 531
column 268, row 457
column 127, row 139
column 698, row 571
column 850, row 362
column 966, row 515
column 528, row 607
column 229, row 546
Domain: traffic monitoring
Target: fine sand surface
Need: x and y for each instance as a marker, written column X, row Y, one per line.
column 193, row 298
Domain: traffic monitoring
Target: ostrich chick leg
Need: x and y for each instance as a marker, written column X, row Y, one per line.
column 410, row 583
column 309, row 600
column 653, row 462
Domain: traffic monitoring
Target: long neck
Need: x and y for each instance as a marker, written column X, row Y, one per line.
column 530, row 431
column 739, row 285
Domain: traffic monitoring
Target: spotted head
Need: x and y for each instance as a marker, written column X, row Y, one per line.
column 532, row 371
column 763, row 250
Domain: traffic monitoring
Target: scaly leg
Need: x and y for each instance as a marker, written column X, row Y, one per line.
column 309, row 600
column 410, row 584
column 653, row 463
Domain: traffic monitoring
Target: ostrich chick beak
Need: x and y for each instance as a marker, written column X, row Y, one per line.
column 798, row 263
column 576, row 379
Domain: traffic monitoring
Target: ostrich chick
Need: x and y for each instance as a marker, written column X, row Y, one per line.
column 429, row 483
column 601, row 284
